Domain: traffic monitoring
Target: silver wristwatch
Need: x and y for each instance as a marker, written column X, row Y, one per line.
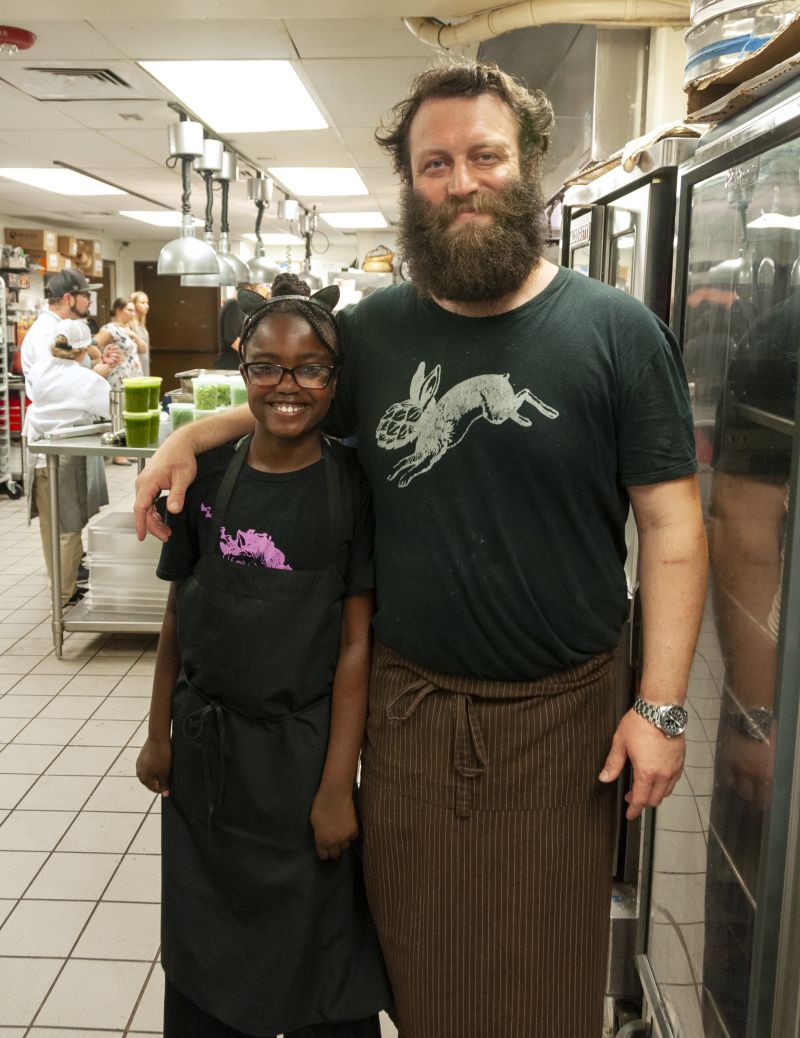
column 671, row 719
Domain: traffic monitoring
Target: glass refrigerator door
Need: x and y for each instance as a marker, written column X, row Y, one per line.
column 713, row 872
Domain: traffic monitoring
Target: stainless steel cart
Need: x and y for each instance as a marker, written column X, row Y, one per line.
column 82, row 617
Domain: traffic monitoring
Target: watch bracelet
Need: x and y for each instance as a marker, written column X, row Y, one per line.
column 753, row 724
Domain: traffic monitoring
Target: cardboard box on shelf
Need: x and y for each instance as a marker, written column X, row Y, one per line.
column 42, row 241
column 67, row 245
column 89, row 252
column 47, row 262
column 93, row 248
column 97, row 268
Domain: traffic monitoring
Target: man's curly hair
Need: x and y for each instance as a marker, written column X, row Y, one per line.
column 531, row 108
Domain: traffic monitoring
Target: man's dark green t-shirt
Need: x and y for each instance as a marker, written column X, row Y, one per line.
column 498, row 450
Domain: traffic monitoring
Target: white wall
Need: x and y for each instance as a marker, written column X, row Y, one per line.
column 666, row 100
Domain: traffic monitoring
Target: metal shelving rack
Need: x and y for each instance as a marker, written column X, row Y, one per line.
column 12, row 280
column 7, row 481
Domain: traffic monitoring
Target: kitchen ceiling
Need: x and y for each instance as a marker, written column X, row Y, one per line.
column 355, row 67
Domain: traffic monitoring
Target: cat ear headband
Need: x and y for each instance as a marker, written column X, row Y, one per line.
column 253, row 303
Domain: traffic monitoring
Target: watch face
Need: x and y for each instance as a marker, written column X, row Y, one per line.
column 673, row 720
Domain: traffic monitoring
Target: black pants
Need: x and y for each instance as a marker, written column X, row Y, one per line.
column 183, row 1019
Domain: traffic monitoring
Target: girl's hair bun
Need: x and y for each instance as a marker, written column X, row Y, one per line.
column 286, row 284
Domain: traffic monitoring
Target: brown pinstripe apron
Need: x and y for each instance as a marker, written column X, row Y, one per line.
column 488, row 846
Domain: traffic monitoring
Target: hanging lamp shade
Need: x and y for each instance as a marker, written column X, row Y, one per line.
column 262, row 269
column 240, row 268
column 186, row 255
column 313, row 282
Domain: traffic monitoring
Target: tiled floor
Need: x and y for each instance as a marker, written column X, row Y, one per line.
column 79, row 837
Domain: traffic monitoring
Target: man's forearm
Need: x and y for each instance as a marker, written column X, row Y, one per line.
column 213, row 432
column 672, row 580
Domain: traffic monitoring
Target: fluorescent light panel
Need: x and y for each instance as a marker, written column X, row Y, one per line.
column 158, row 217
column 60, row 181
column 241, row 96
column 276, row 239
column 320, row 180
column 355, row 221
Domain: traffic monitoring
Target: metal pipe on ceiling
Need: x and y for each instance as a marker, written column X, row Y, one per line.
column 521, row 15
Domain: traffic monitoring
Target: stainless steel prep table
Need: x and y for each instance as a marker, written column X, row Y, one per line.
column 81, row 617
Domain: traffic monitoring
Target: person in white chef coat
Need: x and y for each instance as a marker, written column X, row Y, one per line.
column 68, row 298
column 64, row 393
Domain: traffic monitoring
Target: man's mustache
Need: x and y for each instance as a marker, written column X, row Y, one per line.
column 443, row 214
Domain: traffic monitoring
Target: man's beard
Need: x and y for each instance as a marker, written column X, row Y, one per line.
column 475, row 261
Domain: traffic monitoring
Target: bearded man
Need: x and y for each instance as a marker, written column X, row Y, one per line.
column 507, row 413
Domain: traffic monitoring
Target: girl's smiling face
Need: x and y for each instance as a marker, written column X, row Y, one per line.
column 287, row 411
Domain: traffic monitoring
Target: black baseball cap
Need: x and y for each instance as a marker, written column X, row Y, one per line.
column 68, row 280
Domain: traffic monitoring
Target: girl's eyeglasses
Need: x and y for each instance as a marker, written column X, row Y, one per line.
column 307, row 376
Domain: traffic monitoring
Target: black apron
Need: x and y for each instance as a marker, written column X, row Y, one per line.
column 256, row 930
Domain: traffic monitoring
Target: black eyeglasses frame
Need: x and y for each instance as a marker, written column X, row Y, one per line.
column 245, row 369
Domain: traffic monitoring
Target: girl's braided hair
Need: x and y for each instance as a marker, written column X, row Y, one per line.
column 291, row 295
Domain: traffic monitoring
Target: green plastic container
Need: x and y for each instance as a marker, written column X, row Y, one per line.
column 238, row 390
column 137, row 395
column 137, row 428
column 154, row 385
column 180, row 414
column 199, row 413
column 155, row 422
column 205, row 394
column 224, row 392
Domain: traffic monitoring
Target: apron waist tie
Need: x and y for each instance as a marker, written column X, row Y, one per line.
column 209, row 720
column 469, row 752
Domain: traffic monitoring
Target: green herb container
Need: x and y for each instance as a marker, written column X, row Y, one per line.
column 137, row 395
column 199, row 413
column 205, row 394
column 238, row 390
column 154, row 385
column 180, row 414
column 137, row 428
column 155, row 423
column 224, row 393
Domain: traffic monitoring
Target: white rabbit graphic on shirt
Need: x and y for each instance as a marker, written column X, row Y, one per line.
column 439, row 425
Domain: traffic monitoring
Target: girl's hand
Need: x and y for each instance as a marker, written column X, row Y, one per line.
column 154, row 764
column 333, row 819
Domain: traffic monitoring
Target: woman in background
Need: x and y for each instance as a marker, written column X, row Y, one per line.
column 139, row 325
column 131, row 347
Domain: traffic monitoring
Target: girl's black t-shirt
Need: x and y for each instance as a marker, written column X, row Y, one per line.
column 277, row 520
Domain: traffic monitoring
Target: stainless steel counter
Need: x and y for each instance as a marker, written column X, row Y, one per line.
column 81, row 617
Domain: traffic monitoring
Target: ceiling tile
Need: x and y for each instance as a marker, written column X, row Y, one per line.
column 361, row 142
column 359, row 91
column 380, row 178
column 118, row 115
column 301, row 148
column 355, row 38
column 78, row 148
column 198, row 39
column 20, row 112
column 59, row 40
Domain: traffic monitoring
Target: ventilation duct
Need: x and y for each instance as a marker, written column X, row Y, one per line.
column 529, row 13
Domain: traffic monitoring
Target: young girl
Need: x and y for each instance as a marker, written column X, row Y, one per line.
column 262, row 673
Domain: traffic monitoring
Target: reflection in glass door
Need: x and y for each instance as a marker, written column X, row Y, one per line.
column 741, row 337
